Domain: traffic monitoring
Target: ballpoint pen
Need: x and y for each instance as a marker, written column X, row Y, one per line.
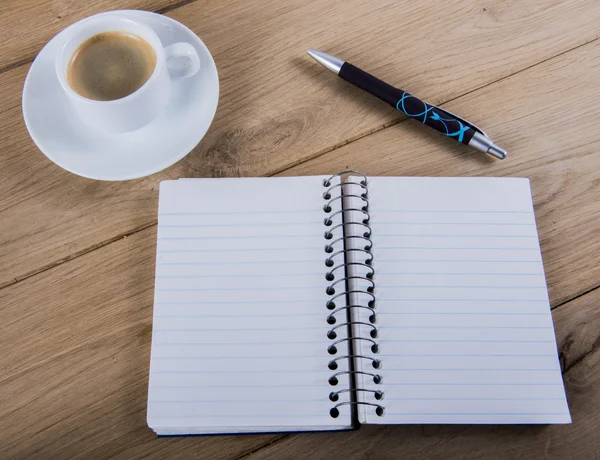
column 441, row 120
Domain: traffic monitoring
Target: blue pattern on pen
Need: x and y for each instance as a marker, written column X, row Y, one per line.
column 428, row 110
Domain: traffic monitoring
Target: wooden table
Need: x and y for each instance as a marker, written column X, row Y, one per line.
column 77, row 256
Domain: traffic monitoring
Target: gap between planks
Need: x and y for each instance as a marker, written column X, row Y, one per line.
column 163, row 10
column 404, row 118
column 292, row 165
column 256, row 449
column 79, row 253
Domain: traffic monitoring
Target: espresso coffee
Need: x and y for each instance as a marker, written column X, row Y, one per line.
column 110, row 66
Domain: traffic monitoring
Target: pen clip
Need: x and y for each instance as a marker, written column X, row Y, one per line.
column 466, row 122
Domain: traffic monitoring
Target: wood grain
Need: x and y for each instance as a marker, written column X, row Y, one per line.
column 25, row 26
column 551, row 133
column 277, row 107
column 577, row 324
column 74, row 374
column 76, row 337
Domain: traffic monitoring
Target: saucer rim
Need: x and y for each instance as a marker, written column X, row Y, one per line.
column 115, row 176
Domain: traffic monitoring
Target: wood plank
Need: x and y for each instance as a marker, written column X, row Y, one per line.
column 277, row 107
column 26, row 25
column 577, row 324
column 74, row 378
column 546, row 118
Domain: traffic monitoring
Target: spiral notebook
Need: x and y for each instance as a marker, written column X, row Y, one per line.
column 319, row 303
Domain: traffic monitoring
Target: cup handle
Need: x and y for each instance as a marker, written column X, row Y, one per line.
column 182, row 60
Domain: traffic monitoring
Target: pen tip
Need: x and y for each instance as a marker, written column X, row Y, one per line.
column 497, row 152
column 331, row 62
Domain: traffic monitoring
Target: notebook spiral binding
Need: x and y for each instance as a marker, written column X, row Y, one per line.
column 332, row 194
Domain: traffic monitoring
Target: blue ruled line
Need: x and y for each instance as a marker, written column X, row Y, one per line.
column 467, row 327
column 260, row 236
column 248, row 357
column 245, row 329
column 470, row 369
column 324, row 371
column 237, row 237
column 529, row 224
column 244, row 385
column 261, row 401
column 379, row 273
column 273, row 343
column 470, row 414
column 248, row 224
column 483, row 211
column 209, row 302
column 437, row 235
column 234, row 416
column 248, row 275
column 475, row 384
column 461, row 313
column 474, row 399
column 278, row 211
column 379, row 260
column 239, row 262
column 443, row 355
column 253, row 315
column 461, row 300
column 404, row 286
column 464, row 341
column 284, row 288
column 445, row 248
column 287, row 250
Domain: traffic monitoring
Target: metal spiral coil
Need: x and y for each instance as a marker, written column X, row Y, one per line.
column 333, row 365
column 336, row 246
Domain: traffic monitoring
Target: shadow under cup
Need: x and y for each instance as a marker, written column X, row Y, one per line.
column 130, row 112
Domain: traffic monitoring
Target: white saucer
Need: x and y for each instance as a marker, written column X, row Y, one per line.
column 72, row 145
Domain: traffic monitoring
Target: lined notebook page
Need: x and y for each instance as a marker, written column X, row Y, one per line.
column 239, row 335
column 465, row 329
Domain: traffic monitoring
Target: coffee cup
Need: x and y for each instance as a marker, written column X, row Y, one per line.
column 117, row 74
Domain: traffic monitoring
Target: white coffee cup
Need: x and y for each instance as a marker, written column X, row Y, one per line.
column 142, row 106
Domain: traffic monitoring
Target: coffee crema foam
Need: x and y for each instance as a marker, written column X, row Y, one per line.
column 110, row 66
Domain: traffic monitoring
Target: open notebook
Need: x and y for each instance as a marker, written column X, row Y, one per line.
column 283, row 305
